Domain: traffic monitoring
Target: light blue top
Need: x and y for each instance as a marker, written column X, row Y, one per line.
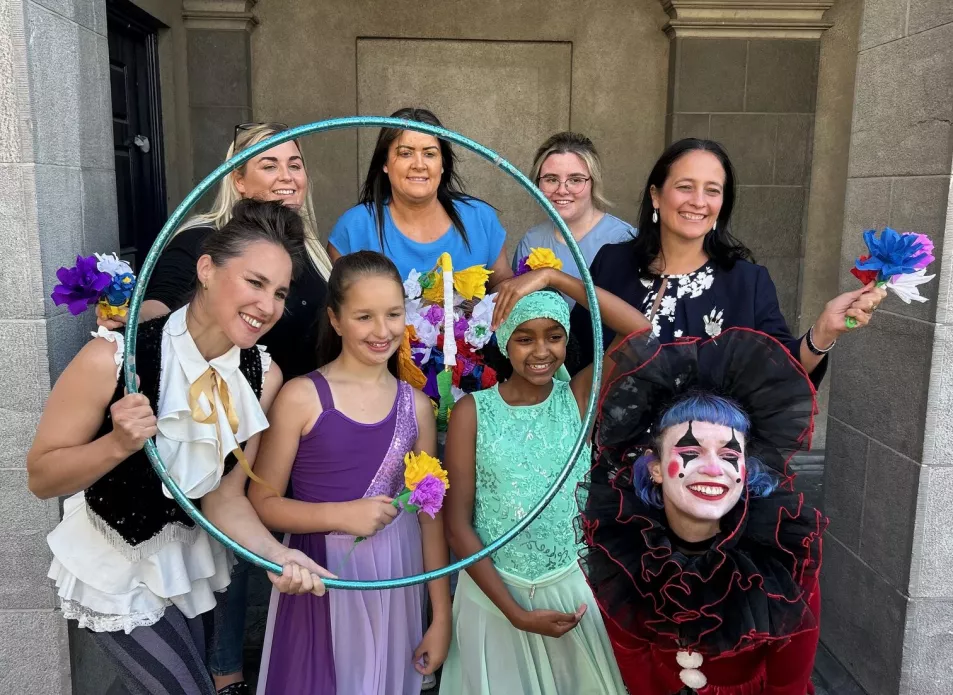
column 356, row 230
column 609, row 230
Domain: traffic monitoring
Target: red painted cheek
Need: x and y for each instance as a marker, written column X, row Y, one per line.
column 673, row 469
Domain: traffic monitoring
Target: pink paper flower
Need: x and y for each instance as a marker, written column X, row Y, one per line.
column 926, row 247
column 428, row 495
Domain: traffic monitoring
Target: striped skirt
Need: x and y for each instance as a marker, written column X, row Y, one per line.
column 167, row 658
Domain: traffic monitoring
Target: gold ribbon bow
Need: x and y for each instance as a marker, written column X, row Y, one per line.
column 206, row 385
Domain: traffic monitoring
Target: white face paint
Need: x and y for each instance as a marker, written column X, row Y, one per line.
column 702, row 469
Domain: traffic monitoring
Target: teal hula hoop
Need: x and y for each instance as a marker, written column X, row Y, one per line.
column 339, row 124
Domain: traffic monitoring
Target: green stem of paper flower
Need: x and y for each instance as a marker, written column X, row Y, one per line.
column 850, row 321
column 401, row 502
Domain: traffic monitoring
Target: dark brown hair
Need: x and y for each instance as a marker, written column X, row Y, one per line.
column 344, row 273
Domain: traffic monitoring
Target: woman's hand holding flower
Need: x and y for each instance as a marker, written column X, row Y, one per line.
column 858, row 305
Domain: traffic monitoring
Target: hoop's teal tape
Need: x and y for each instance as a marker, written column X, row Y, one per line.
column 339, row 124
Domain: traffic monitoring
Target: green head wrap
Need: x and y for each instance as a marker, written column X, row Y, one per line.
column 538, row 305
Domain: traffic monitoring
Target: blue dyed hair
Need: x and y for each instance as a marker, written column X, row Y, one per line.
column 702, row 407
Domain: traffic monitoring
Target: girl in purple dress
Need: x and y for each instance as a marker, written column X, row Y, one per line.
column 339, row 435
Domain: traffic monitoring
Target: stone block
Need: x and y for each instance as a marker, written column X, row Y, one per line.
column 862, row 619
column 792, row 158
column 867, row 206
column 890, row 506
column 710, row 75
column 92, row 15
column 100, row 224
column 926, row 14
column 750, row 140
column 845, row 474
column 34, row 652
column 95, row 104
column 20, row 509
column 932, row 556
column 12, row 49
column 927, row 668
column 54, row 87
column 59, row 209
column 16, row 436
column 219, row 68
column 785, row 272
column 883, row 21
column 24, row 380
column 898, row 350
column 902, row 107
column 212, row 132
column 66, row 336
column 689, row 125
column 64, row 8
column 938, row 429
column 536, row 103
column 21, row 293
column 782, row 76
column 919, row 204
column 24, row 562
column 768, row 219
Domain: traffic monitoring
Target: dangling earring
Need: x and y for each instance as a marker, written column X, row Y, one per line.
column 714, row 226
column 655, row 215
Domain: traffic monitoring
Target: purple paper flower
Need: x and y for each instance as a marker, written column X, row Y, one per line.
column 80, row 286
column 892, row 254
column 434, row 315
column 460, row 327
column 926, row 246
column 522, row 267
column 428, row 495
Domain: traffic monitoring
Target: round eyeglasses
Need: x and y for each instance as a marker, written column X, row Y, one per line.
column 574, row 184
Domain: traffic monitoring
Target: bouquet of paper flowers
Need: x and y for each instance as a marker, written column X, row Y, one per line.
column 441, row 303
column 100, row 279
column 897, row 262
column 425, row 486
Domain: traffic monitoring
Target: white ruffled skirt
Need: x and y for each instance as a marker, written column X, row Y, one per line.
column 107, row 592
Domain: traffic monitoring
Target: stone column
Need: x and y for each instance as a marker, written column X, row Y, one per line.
column 57, row 199
column 219, row 68
column 888, row 570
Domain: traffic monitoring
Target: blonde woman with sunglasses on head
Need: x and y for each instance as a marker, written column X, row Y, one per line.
column 278, row 174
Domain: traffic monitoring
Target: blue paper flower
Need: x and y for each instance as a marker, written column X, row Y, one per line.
column 892, row 254
column 120, row 289
column 80, row 286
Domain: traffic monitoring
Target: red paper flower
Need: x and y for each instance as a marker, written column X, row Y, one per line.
column 865, row 276
column 488, row 378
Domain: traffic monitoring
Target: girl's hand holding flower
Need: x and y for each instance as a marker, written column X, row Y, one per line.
column 367, row 516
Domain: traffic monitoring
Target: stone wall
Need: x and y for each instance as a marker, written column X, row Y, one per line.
column 888, row 602
column 57, row 198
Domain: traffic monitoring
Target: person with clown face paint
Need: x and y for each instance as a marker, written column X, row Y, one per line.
column 703, row 561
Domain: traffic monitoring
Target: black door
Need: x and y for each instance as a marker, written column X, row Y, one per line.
column 137, row 127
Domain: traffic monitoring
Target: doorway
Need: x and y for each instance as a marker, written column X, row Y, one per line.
column 137, row 127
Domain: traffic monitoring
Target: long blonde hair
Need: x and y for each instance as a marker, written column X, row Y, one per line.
column 228, row 195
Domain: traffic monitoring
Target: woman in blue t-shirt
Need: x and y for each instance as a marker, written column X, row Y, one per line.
column 413, row 207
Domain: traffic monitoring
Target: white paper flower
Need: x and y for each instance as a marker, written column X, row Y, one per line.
column 412, row 311
column 110, row 263
column 478, row 333
column 427, row 333
column 905, row 286
column 483, row 311
column 457, row 393
column 412, row 285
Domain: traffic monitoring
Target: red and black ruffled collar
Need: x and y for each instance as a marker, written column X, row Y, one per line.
column 749, row 587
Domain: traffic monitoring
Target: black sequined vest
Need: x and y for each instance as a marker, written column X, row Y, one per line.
column 128, row 505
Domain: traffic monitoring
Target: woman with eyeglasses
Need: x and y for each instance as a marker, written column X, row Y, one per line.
column 278, row 174
column 568, row 171
column 413, row 207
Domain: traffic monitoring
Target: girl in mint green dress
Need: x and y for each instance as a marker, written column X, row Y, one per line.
column 525, row 621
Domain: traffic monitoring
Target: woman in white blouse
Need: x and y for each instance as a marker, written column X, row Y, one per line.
column 129, row 565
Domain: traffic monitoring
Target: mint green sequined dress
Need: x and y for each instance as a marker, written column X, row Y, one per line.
column 520, row 451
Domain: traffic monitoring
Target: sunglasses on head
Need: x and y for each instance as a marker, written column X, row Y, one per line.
column 241, row 127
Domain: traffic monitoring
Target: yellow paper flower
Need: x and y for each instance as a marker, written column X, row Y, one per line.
column 434, row 293
column 543, row 258
column 105, row 310
column 471, row 282
column 417, row 466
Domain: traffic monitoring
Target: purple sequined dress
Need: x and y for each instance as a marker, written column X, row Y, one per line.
column 350, row 642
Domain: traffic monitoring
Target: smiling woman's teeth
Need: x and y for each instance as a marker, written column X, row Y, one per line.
column 285, row 191
column 254, row 323
column 691, row 216
column 712, row 490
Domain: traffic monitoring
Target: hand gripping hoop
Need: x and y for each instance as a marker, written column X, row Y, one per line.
column 339, row 124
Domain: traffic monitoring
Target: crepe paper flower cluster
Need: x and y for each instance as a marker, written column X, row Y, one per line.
column 896, row 261
column 425, row 485
column 538, row 258
column 440, row 303
column 100, row 279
